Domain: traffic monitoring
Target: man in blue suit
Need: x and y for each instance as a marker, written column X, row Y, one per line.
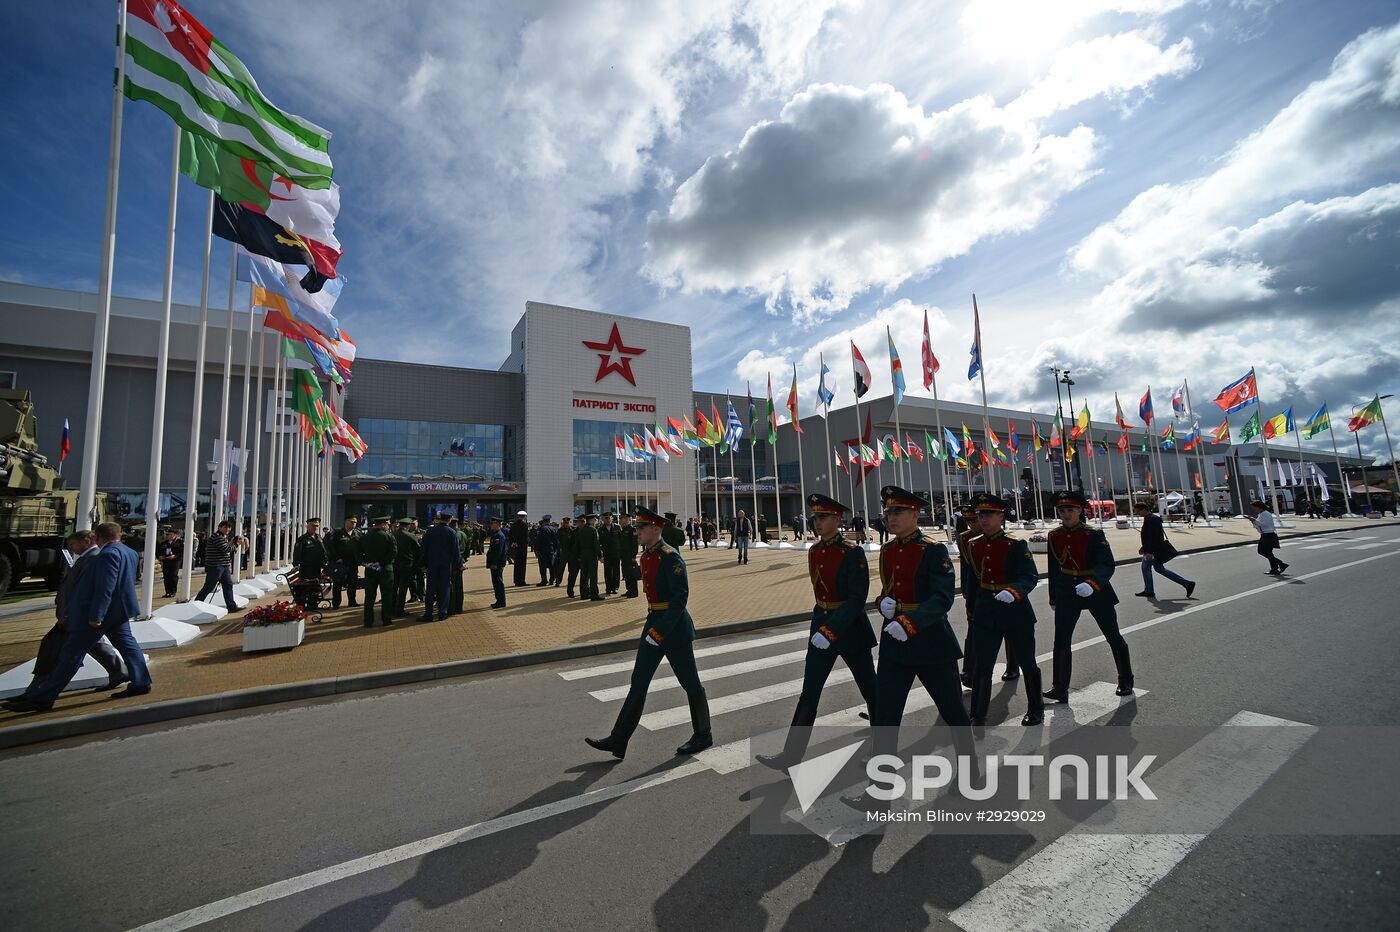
column 102, row 603
column 442, row 556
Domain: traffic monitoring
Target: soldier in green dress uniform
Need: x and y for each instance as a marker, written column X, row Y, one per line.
column 587, row 548
column 345, row 551
column 611, row 548
column 667, row 632
column 309, row 553
column 454, row 599
column 1003, row 574
column 566, row 564
column 1081, row 565
column 377, row 552
column 628, row 546
column 840, row 583
column 407, row 553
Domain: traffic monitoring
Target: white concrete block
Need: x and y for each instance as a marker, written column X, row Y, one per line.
column 217, row 598
column 154, row 633
column 193, row 613
column 16, row 680
column 249, row 591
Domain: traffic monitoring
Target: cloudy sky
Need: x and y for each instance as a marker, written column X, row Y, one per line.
column 1141, row 190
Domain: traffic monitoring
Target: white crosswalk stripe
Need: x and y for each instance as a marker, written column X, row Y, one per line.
column 706, row 675
column 1383, row 543
column 719, row 705
column 625, row 666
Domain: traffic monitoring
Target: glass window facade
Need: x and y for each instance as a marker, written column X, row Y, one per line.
column 595, row 455
column 432, row 448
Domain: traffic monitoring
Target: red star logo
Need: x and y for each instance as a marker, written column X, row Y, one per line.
column 623, row 366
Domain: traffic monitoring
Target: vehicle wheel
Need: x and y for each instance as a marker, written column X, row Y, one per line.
column 6, row 575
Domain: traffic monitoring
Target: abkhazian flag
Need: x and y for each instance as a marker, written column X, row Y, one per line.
column 930, row 361
column 792, row 401
column 1279, row 424
column 1251, row 428
column 861, row 371
column 974, row 365
column 824, row 394
column 1316, row 424
column 1238, row 394
column 1366, row 416
column 896, row 369
column 177, row 65
column 1221, row 434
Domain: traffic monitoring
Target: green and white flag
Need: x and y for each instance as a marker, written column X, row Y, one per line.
column 1251, row 428
column 176, row 64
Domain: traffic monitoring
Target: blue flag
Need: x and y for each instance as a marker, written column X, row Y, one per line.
column 975, row 365
column 824, row 394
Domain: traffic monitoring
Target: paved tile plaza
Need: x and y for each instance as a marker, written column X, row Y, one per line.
column 773, row 584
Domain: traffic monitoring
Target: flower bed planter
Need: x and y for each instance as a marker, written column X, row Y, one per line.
column 273, row 637
column 1038, row 543
column 278, row 626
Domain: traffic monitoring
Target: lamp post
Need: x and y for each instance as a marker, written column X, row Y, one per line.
column 1055, row 372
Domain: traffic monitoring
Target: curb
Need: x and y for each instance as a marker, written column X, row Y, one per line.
column 92, row 723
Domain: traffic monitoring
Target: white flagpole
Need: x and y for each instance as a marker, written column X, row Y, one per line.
column 1109, row 465
column 1298, row 442
column 192, row 472
column 1264, row 443
column 1094, row 469
column 1200, row 450
column 148, row 576
column 942, row 463
column 899, row 470
column 826, row 422
column 777, row 502
column 753, row 476
column 1128, row 470
column 733, row 492
column 274, row 472
column 1341, row 476
column 864, row 487
column 219, row 506
column 801, row 475
column 243, row 440
column 257, row 453
column 982, row 374
column 92, row 433
column 1394, row 468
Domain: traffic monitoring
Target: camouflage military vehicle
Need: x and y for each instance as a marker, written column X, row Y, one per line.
column 37, row 510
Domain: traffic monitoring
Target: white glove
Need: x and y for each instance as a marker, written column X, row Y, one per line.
column 896, row 630
column 1084, row 590
column 820, row 642
column 651, row 642
column 1005, row 596
column 887, row 607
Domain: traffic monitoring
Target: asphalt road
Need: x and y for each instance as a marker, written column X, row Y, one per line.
column 463, row 806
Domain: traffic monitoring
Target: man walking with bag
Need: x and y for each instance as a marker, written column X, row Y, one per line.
column 1156, row 550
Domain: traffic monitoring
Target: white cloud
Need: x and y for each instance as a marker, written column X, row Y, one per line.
column 1020, row 29
column 851, row 189
column 1112, row 66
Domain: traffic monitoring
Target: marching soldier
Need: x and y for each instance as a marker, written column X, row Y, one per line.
column 968, row 587
column 916, row 592
column 668, row 632
column 587, row 548
column 611, row 548
column 377, row 552
column 627, row 546
column 1005, row 574
column 1081, row 565
column 345, row 551
column 406, row 559
column 840, row 584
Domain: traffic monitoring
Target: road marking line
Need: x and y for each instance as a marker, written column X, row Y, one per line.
column 415, row 849
column 680, row 715
column 1327, row 543
column 716, row 673
column 1383, row 543
column 626, row 665
column 1086, row 882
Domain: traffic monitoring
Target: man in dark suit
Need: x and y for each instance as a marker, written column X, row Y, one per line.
column 1156, row 550
column 81, row 546
column 546, row 547
column 103, row 602
column 442, row 556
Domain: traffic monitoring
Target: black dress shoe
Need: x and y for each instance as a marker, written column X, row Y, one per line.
column 112, row 683
column 1190, row 588
column 1011, row 674
column 597, row 598
column 21, row 704
column 610, row 744
column 1281, row 568
column 498, row 605
column 442, row 618
column 132, row 691
column 1146, row 595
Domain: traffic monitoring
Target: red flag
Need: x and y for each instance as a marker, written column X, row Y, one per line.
column 930, row 360
column 1238, row 393
column 841, row 462
column 1118, row 417
column 1122, row 443
column 911, row 448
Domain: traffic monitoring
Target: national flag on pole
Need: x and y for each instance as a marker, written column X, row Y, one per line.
column 853, row 454
column 664, row 439
column 772, row 415
column 1168, row 437
column 792, row 401
column 1192, row 438
column 716, row 435
column 735, row 431
column 824, row 394
column 1366, row 416
column 65, row 444
column 177, row 65
column 703, row 429
column 896, row 369
column 840, row 463
column 1179, row 402
column 974, row 365
column 1057, row 429
column 1081, row 426
column 262, row 236
column 1238, row 394
column 861, row 370
column 1279, row 424
column 952, row 443
column 1251, row 428
column 345, row 440
column 620, row 449
column 1221, row 434
column 912, row 449
column 285, row 280
column 1123, row 443
column 1011, row 439
column 998, row 454
column 1118, row 417
column 935, row 449
column 1145, row 407
column 1037, row 438
column 930, row 361
column 753, row 414
column 1316, row 424
column 308, row 214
